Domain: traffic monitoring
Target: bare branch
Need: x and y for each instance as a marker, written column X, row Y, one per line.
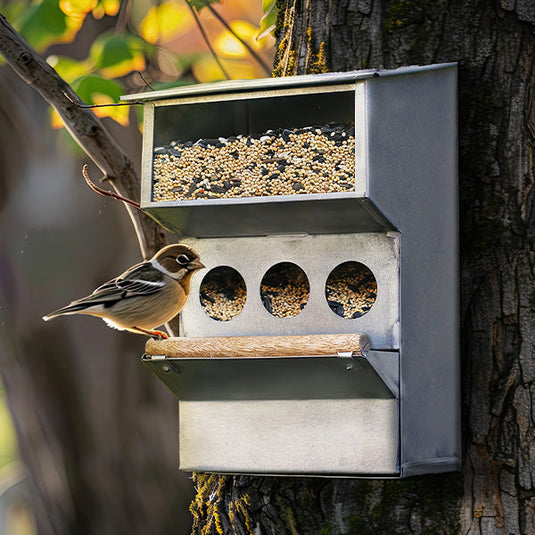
column 251, row 51
column 107, row 193
column 140, row 74
column 109, row 105
column 207, row 41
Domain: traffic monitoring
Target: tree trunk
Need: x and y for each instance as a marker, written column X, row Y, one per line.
column 494, row 44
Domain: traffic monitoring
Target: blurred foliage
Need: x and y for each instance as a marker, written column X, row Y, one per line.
column 269, row 19
column 140, row 45
column 8, row 441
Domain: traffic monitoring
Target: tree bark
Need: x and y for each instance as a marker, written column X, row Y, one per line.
column 494, row 44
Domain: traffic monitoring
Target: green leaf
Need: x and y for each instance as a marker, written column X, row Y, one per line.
column 96, row 90
column 116, row 55
column 109, row 50
column 45, row 23
column 269, row 20
column 69, row 69
column 88, row 86
column 14, row 10
column 42, row 22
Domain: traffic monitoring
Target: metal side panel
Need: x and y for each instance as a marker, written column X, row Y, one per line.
column 431, row 466
column 308, row 437
column 422, row 204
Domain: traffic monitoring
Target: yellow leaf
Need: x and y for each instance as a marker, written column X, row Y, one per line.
column 55, row 119
column 98, row 12
column 207, row 70
column 110, row 7
column 164, row 22
column 228, row 46
column 118, row 113
column 77, row 7
column 68, row 68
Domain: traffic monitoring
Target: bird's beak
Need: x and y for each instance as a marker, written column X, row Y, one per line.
column 196, row 264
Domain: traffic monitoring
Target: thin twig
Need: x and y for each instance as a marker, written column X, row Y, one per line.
column 107, row 193
column 206, row 40
column 144, row 80
column 255, row 56
column 89, row 106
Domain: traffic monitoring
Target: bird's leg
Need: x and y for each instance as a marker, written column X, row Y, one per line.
column 155, row 333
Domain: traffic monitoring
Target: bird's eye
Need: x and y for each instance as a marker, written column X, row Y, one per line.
column 182, row 259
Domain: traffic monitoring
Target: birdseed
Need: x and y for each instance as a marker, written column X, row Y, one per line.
column 223, row 293
column 284, row 290
column 313, row 159
column 351, row 290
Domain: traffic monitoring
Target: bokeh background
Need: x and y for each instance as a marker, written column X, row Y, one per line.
column 87, row 435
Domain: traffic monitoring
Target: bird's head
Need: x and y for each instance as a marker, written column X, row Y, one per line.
column 178, row 260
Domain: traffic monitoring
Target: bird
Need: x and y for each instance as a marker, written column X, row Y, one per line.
column 145, row 296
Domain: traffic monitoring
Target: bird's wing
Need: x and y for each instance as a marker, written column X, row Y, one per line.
column 139, row 280
column 123, row 289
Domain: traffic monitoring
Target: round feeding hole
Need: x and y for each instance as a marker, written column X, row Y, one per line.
column 284, row 290
column 223, row 293
column 351, row 290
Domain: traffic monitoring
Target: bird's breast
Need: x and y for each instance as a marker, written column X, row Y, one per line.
column 151, row 311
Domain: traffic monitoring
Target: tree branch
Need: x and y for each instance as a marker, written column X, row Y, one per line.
column 251, row 51
column 106, row 193
column 207, row 40
column 84, row 126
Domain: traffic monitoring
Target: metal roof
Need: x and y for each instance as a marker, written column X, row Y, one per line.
column 234, row 86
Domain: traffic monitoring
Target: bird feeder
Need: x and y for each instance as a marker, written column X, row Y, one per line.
column 323, row 338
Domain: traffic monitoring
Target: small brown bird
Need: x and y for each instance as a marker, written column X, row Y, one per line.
column 145, row 296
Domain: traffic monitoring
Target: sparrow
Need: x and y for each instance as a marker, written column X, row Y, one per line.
column 145, row 296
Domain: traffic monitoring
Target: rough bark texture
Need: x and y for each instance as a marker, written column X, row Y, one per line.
column 494, row 43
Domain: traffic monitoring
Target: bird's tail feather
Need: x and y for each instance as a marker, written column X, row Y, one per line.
column 73, row 308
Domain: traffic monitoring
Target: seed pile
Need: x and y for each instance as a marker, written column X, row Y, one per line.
column 351, row 290
column 284, row 290
column 223, row 293
column 313, row 159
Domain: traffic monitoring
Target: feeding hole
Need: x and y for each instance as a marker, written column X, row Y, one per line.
column 223, row 293
column 284, row 290
column 351, row 290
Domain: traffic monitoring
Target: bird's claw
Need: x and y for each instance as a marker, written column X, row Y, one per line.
column 159, row 335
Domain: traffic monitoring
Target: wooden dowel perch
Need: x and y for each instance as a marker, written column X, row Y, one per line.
column 259, row 346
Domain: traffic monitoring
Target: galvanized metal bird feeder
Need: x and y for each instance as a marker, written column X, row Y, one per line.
column 323, row 337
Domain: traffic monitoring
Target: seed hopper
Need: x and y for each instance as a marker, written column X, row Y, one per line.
column 322, row 338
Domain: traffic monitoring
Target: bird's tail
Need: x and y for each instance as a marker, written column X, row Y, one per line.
column 73, row 308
